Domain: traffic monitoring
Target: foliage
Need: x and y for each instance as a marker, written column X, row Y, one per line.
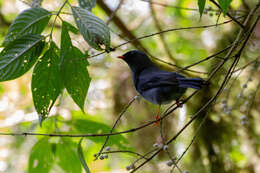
column 52, row 46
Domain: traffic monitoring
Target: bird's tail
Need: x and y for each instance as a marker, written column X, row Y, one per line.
column 195, row 83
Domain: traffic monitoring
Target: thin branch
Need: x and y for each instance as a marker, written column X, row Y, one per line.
column 114, row 12
column 246, row 65
column 125, row 151
column 229, row 15
column 207, row 58
column 121, row 25
column 65, row 2
column 117, row 120
column 161, row 32
column 191, row 142
column 159, row 28
column 174, row 29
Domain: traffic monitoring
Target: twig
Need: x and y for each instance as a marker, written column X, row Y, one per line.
column 114, row 12
column 159, row 28
column 247, row 64
column 234, row 19
column 174, row 29
column 125, row 151
column 191, row 142
column 207, row 58
column 167, row 30
column 117, row 120
column 65, row 2
column 184, row 8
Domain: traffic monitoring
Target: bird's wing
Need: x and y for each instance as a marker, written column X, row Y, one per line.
column 157, row 78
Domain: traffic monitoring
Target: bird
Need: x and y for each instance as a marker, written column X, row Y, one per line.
column 154, row 84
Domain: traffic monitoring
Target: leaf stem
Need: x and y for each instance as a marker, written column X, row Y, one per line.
column 57, row 14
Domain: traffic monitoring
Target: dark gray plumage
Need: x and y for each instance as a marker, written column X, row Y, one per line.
column 156, row 85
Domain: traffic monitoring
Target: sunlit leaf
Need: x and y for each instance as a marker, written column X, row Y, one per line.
column 19, row 56
column 93, row 29
column 224, row 4
column 31, row 21
column 46, row 81
column 41, row 158
column 73, row 69
column 87, row 4
column 201, row 4
column 82, row 158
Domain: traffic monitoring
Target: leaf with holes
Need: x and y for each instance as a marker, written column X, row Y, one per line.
column 73, row 68
column 19, row 56
column 46, row 81
column 41, row 157
column 224, row 4
column 87, row 4
column 93, row 29
column 31, row 21
column 201, row 4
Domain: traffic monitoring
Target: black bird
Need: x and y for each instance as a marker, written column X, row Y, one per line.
column 155, row 85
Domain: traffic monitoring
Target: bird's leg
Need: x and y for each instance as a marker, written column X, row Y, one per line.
column 178, row 103
column 157, row 117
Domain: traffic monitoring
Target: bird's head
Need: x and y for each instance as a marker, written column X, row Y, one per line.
column 136, row 60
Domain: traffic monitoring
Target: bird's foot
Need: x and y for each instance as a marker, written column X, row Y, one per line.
column 178, row 103
column 157, row 117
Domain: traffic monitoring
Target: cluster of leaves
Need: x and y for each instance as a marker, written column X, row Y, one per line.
column 55, row 67
column 49, row 153
column 224, row 4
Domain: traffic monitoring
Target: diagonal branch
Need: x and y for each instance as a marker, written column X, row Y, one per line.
column 229, row 15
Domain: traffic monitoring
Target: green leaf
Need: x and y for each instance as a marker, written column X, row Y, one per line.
column 73, row 69
column 71, row 28
column 19, row 56
column 224, row 4
column 201, row 4
column 87, row 4
column 80, row 125
column 31, row 21
column 46, row 81
column 93, row 29
column 41, row 158
column 67, row 157
column 82, row 158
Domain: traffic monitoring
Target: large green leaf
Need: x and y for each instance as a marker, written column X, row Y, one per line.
column 46, row 81
column 31, row 21
column 87, row 4
column 19, row 56
column 93, row 29
column 41, row 158
column 66, row 155
column 73, row 69
column 90, row 125
column 224, row 4
column 201, row 4
column 82, row 158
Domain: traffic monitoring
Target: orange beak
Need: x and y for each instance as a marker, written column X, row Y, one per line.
column 121, row 57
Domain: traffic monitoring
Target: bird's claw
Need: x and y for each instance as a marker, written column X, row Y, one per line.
column 178, row 103
column 157, row 117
